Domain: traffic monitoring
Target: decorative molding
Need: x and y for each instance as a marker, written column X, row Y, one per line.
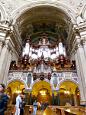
column 67, row 10
column 19, row 76
column 60, row 77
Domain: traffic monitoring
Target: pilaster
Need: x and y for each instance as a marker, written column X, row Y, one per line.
column 81, row 69
column 84, row 45
column 9, row 46
column 3, row 60
column 75, row 100
column 9, row 58
column 2, row 36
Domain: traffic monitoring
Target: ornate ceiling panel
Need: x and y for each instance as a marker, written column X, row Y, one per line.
column 41, row 20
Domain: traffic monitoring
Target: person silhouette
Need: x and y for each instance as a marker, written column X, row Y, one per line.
column 35, row 107
column 3, row 99
column 19, row 104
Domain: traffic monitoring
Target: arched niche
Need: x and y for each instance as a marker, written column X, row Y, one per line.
column 16, row 86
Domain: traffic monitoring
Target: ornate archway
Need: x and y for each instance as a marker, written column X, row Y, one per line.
column 58, row 5
column 69, row 93
column 42, row 92
column 60, row 16
column 14, row 88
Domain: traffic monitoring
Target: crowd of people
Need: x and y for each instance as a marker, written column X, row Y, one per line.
column 19, row 104
column 4, row 99
column 39, row 105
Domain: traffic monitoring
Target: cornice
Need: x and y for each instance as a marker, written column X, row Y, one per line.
column 4, row 26
column 77, row 41
column 7, row 30
column 82, row 26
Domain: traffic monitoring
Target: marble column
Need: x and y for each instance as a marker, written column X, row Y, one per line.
column 7, row 67
column 81, row 70
column 3, row 61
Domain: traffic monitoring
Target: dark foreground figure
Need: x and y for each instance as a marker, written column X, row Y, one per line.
column 3, row 99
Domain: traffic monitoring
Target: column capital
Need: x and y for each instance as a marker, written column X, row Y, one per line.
column 76, row 30
column 6, row 44
column 78, row 42
column 83, row 41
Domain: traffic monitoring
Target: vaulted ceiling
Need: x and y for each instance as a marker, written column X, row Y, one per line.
column 44, row 19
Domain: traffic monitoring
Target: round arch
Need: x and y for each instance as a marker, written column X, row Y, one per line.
column 41, row 91
column 65, row 9
column 69, row 80
column 69, row 92
column 14, row 87
column 43, row 84
column 38, row 80
column 19, row 80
